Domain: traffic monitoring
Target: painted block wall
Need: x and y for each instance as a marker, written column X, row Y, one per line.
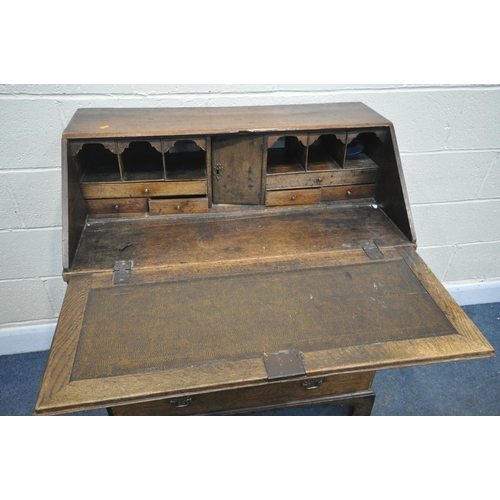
column 448, row 136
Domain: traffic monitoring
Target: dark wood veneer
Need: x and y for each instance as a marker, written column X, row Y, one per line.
column 201, row 246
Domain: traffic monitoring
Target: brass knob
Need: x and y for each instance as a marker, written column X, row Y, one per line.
column 178, row 207
column 293, row 198
column 349, row 193
column 146, row 191
column 320, row 179
column 117, row 207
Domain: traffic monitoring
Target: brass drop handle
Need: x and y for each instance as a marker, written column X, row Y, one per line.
column 312, row 383
column 181, row 402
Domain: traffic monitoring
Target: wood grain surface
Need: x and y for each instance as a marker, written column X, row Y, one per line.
column 218, row 238
column 275, row 394
column 249, row 231
column 136, row 122
column 361, row 317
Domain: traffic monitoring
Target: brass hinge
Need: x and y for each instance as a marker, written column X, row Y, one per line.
column 122, row 272
column 371, row 249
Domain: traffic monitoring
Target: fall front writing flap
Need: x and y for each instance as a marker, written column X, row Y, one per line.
column 147, row 340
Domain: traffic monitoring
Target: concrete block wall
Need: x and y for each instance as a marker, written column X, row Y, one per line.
column 449, row 140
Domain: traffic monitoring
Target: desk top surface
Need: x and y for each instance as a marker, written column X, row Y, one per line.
column 271, row 234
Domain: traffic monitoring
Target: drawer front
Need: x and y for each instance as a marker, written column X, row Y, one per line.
column 117, row 206
column 178, row 206
column 293, row 197
column 253, row 397
column 347, row 192
column 143, row 189
column 320, row 179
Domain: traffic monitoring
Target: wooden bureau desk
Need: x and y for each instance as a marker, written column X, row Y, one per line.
column 230, row 260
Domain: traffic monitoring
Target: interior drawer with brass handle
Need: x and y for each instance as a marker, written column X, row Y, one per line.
column 171, row 206
column 339, row 177
column 293, row 197
column 117, row 206
column 355, row 192
column 140, row 189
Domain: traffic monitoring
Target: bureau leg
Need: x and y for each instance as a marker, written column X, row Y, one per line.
column 363, row 405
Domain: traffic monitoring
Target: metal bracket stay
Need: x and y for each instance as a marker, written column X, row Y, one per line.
column 284, row 364
column 371, row 249
column 122, row 272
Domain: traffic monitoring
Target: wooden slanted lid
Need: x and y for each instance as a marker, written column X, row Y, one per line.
column 138, row 122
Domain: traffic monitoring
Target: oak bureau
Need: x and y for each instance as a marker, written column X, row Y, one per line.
column 232, row 260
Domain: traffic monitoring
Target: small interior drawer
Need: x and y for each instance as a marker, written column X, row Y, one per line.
column 293, row 197
column 117, row 206
column 141, row 189
column 348, row 192
column 300, row 180
column 170, row 206
column 338, row 177
column 253, row 397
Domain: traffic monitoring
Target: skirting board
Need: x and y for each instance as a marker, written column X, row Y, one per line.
column 20, row 339
column 467, row 294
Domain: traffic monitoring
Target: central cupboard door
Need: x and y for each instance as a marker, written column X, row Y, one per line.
column 237, row 169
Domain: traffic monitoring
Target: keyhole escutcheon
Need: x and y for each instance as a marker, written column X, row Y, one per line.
column 218, row 171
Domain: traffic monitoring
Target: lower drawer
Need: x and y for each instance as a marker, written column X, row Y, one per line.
column 169, row 206
column 297, row 390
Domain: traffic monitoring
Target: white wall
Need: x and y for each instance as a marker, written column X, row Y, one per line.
column 448, row 135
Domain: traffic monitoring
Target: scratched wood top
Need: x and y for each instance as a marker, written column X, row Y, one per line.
column 136, row 122
column 221, row 238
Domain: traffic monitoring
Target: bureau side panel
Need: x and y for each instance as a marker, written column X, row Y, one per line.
column 391, row 192
column 74, row 211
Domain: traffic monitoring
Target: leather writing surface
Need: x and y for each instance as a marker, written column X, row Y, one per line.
column 129, row 329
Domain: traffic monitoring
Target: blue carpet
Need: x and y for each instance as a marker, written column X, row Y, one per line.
column 466, row 388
